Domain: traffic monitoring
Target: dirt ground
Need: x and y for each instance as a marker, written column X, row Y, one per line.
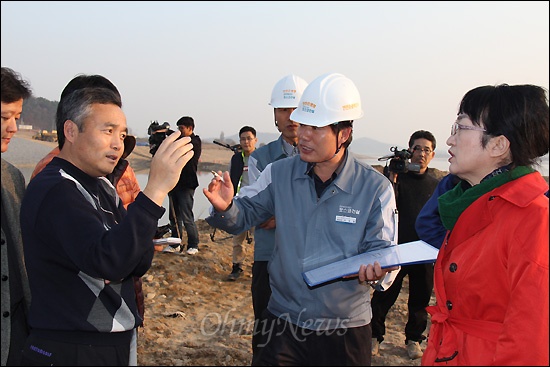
column 195, row 317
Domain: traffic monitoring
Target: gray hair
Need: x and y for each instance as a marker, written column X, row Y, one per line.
column 77, row 107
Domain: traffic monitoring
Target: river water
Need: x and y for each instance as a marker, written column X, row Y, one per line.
column 200, row 209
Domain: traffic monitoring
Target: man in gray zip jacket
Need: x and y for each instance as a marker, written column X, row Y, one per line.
column 284, row 99
column 329, row 206
column 16, row 294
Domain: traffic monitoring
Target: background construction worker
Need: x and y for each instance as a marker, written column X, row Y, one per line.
column 238, row 171
column 284, row 99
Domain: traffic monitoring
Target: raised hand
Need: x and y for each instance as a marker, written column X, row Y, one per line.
column 166, row 165
column 220, row 191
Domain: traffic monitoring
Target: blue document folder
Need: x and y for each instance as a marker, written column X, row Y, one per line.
column 416, row 252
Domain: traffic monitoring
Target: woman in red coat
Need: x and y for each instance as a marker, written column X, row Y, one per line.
column 491, row 274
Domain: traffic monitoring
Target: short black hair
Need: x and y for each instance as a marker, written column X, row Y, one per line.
column 422, row 134
column 247, row 128
column 14, row 87
column 186, row 121
column 88, row 81
column 519, row 112
column 336, row 127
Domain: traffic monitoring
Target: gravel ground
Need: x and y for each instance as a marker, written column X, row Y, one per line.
column 25, row 153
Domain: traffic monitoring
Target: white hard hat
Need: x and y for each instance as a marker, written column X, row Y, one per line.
column 329, row 99
column 287, row 92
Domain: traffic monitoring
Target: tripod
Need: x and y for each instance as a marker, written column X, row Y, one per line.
column 175, row 219
column 249, row 238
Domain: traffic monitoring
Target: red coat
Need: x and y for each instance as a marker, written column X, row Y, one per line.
column 491, row 281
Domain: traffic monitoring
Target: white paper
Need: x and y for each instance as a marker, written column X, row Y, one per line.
column 170, row 240
column 416, row 252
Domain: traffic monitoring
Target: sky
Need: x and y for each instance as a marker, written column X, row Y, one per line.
column 412, row 62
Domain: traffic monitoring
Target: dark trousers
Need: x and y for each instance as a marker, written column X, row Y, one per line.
column 290, row 345
column 46, row 351
column 420, row 291
column 19, row 334
column 261, row 292
column 181, row 200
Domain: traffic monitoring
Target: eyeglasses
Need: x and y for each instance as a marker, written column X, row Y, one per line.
column 425, row 150
column 456, row 126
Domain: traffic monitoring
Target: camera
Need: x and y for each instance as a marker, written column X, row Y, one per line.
column 399, row 161
column 157, row 134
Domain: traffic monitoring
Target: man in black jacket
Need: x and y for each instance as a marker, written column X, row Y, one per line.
column 238, row 171
column 412, row 190
column 183, row 194
column 82, row 248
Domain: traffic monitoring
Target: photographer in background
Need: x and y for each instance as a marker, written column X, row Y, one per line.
column 413, row 187
column 157, row 134
column 182, row 195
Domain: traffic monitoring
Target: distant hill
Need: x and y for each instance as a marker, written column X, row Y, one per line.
column 39, row 112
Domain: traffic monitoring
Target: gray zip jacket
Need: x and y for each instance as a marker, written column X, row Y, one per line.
column 14, row 274
column 355, row 213
column 264, row 239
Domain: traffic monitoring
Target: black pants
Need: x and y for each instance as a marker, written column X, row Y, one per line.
column 420, row 291
column 19, row 334
column 181, row 202
column 261, row 292
column 290, row 345
column 45, row 351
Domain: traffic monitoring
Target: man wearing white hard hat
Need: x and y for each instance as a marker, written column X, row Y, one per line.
column 329, row 206
column 284, row 99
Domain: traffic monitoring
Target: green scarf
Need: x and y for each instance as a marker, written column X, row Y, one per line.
column 455, row 201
